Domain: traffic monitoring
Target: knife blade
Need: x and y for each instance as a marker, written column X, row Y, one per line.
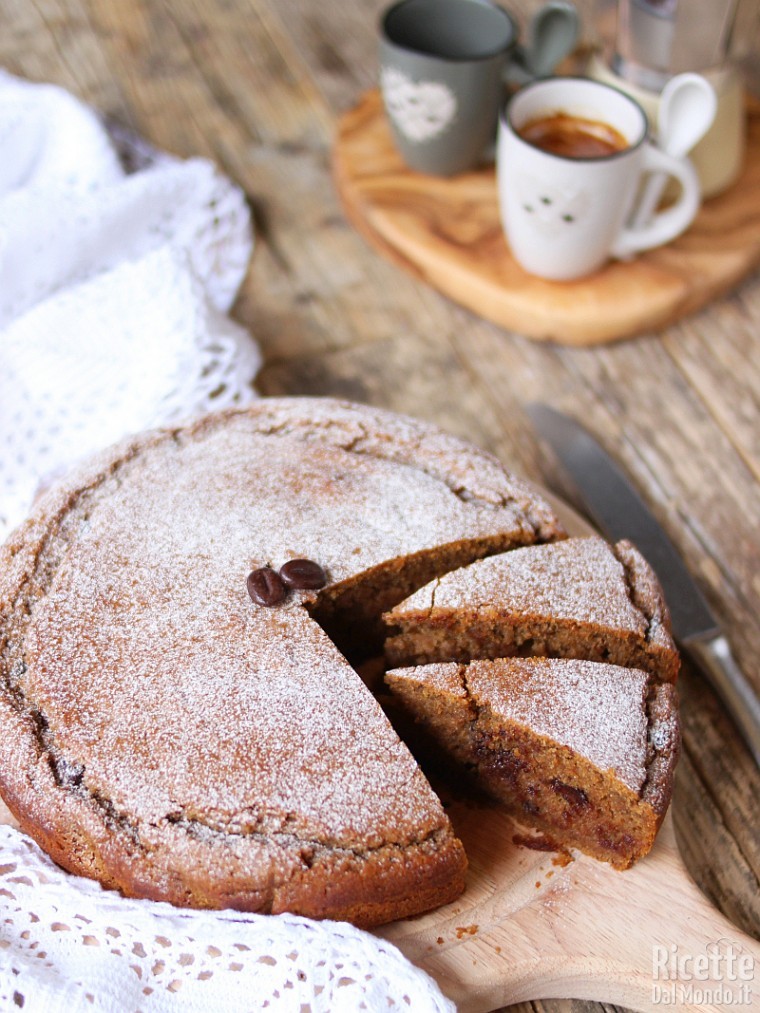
column 605, row 493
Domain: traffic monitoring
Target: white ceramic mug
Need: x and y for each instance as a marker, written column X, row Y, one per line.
column 565, row 217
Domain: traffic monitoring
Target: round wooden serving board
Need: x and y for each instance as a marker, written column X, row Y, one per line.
column 526, row 928
column 447, row 231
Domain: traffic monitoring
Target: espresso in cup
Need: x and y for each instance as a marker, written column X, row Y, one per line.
column 566, row 208
column 570, row 136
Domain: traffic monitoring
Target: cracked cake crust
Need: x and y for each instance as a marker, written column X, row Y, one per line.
column 165, row 736
column 578, row 598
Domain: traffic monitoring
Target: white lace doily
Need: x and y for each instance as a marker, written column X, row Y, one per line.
column 66, row 944
column 117, row 269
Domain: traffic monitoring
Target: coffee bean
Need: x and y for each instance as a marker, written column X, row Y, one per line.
column 303, row 574
column 265, row 586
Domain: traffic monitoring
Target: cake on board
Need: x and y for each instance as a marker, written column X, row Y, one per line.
column 162, row 732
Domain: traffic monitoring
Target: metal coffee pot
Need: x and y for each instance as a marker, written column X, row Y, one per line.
column 655, row 39
column 645, row 43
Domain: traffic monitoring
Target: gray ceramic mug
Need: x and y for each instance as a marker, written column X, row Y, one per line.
column 442, row 65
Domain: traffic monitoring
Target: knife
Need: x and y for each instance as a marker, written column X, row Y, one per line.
column 609, row 499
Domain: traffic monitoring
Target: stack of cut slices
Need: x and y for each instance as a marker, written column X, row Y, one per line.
column 548, row 673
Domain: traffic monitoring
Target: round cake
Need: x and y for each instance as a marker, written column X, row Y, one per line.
column 167, row 734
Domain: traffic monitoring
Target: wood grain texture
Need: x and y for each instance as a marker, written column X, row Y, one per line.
column 525, row 927
column 260, row 86
column 448, row 232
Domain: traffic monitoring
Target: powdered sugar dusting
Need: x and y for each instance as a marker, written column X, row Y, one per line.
column 583, row 705
column 179, row 699
column 578, row 579
column 661, row 734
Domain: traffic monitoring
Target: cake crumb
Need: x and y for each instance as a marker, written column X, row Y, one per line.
column 562, row 858
column 466, row 930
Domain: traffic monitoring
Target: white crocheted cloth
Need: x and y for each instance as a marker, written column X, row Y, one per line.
column 117, row 267
column 114, row 289
column 66, row 944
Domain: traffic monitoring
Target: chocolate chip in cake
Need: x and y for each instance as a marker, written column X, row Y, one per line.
column 576, row 797
column 303, row 574
column 265, row 586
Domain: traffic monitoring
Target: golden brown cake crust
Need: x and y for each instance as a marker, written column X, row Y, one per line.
column 161, row 733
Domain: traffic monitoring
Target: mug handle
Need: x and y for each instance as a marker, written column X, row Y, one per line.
column 664, row 225
column 552, row 34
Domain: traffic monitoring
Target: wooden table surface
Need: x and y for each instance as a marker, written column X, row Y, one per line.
column 258, row 86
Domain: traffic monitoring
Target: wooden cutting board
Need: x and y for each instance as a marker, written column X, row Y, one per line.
column 526, row 928
column 447, row 232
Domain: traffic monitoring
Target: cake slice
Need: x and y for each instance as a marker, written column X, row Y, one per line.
column 578, row 598
column 567, row 745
